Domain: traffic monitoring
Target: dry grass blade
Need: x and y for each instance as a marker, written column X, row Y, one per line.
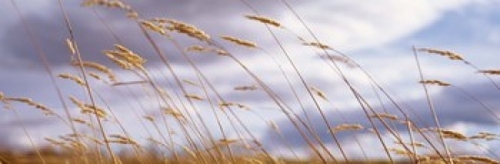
column 240, row 42
column 265, row 20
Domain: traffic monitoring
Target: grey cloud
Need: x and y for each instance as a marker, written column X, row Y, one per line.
column 452, row 107
column 215, row 17
column 35, row 122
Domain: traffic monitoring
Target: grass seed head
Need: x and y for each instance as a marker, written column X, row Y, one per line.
column 342, row 59
column 99, row 67
column 345, row 127
column 194, row 97
column 54, row 142
column 221, row 52
column 153, row 27
column 70, row 45
column 125, row 58
column 187, row 29
column 190, row 82
column 226, row 141
column 173, row 112
column 449, row 54
column 385, row 115
column 319, row 93
column 246, row 88
column 196, row 48
column 95, row 75
column 416, row 144
column 74, row 78
column 149, row 118
column 274, row 126
column 88, row 108
column 490, row 72
column 317, row 45
column 121, row 139
column 400, row 152
column 482, row 159
column 240, row 42
column 265, row 20
column 452, row 134
column 485, row 135
column 435, row 82
column 45, row 110
column 107, row 3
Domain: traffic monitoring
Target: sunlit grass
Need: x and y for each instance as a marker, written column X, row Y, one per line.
column 180, row 131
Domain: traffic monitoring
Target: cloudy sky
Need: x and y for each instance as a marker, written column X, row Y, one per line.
column 378, row 35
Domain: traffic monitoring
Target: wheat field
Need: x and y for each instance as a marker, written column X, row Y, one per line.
column 117, row 82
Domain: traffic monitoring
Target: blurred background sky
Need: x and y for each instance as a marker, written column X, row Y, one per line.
column 378, row 35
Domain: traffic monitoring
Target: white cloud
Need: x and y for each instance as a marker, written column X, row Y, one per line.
column 363, row 24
